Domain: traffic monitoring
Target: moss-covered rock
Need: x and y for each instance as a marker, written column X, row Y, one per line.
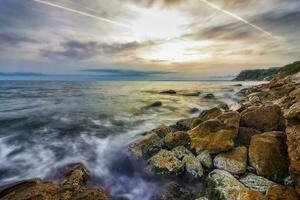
column 254, row 182
column 212, row 135
column 193, row 167
column 189, row 123
column 165, row 162
column 181, row 151
column 268, row 155
column 265, row 118
column 179, row 138
column 205, row 159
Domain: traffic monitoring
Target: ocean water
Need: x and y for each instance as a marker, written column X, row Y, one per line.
column 46, row 125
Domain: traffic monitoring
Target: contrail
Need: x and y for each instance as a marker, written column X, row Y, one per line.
column 84, row 14
column 238, row 18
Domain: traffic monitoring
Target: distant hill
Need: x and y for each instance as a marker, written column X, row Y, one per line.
column 267, row 74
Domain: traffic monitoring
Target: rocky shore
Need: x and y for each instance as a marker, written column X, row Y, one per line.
column 244, row 151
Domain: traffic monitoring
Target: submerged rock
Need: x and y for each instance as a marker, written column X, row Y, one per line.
column 223, row 186
column 205, row 159
column 168, row 92
column 194, row 110
column 179, row 138
column 193, row 167
column 181, row 152
column 73, row 188
column 154, row 105
column 165, row 162
column 255, row 182
column 233, row 161
column 265, row 118
column 209, row 96
column 146, row 146
column 212, row 135
column 268, row 155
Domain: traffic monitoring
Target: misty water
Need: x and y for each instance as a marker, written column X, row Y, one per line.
column 46, row 125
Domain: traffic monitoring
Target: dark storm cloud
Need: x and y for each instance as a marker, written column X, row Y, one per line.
column 232, row 31
column 84, row 50
column 11, row 39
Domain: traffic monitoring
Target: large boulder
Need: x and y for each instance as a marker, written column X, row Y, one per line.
column 162, row 130
column 210, row 114
column 212, row 135
column 245, row 135
column 280, row 192
column 265, row 118
column 293, row 143
column 146, row 146
column 193, row 167
column 223, row 186
column 73, row 188
column 293, row 114
column 165, row 162
column 255, row 182
column 189, row 123
column 233, row 161
column 230, row 119
column 205, row 159
column 179, row 138
column 268, row 155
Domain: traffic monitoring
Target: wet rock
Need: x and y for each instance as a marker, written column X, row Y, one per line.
column 293, row 138
column 231, row 120
column 237, row 85
column 223, row 186
column 194, row 110
column 233, row 161
column 172, row 191
column 223, row 106
column 181, row 152
column 279, row 192
column 165, row 162
column 193, row 167
column 209, row 96
column 73, row 188
column 192, row 94
column 179, row 138
column 154, row 105
column 187, row 124
column 162, row 130
column 245, row 135
column 237, row 107
column 255, row 182
column 205, row 159
column 210, row 114
column 265, row 118
column 168, row 92
column 212, row 135
column 268, row 155
column 146, row 146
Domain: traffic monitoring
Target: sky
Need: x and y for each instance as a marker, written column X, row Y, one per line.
column 176, row 39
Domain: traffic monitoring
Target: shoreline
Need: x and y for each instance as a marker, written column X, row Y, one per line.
column 190, row 151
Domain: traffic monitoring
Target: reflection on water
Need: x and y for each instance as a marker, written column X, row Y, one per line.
column 45, row 125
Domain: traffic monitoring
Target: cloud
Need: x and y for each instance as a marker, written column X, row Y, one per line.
column 124, row 72
column 12, row 39
column 78, row 50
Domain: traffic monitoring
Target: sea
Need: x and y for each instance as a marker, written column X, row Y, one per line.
column 48, row 125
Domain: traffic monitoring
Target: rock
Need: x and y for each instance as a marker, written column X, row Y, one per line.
column 154, row 105
column 209, row 96
column 223, row 106
column 265, row 118
column 237, row 85
column 168, row 92
column 237, row 107
column 210, row 114
column 231, row 120
column 194, row 110
column 165, row 162
column 179, row 138
column 193, row 167
column 223, row 186
column 295, row 94
column 147, row 146
column 279, row 192
column 212, row 135
column 187, row 124
column 233, row 161
column 181, row 152
column 255, row 182
column 245, row 135
column 162, row 131
column 254, row 99
column 192, row 94
column 172, row 191
column 293, row 114
column 293, row 138
column 205, row 159
column 202, row 198
column 268, row 155
column 73, row 188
